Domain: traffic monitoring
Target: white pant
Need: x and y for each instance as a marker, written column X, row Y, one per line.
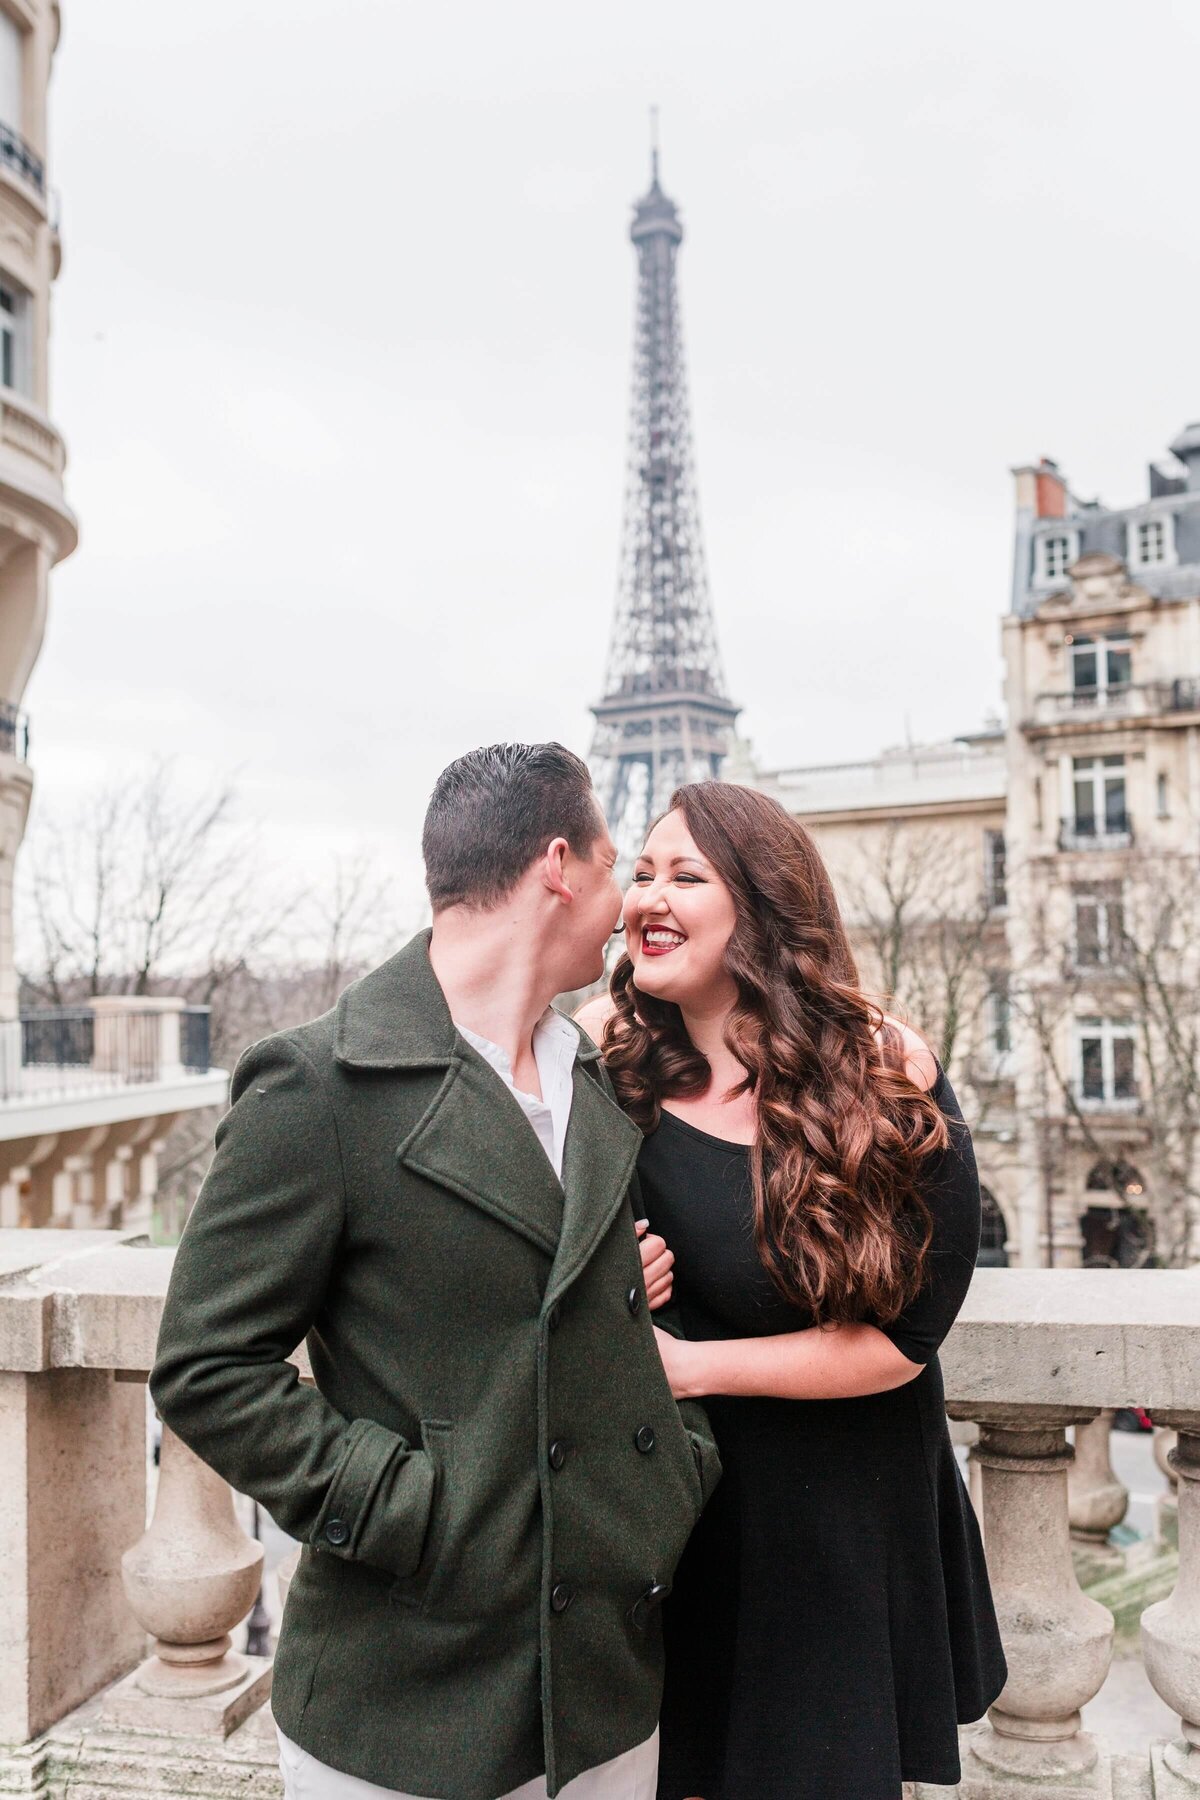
column 632, row 1776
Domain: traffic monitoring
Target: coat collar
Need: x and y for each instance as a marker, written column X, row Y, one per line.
column 397, row 1018
column 473, row 1138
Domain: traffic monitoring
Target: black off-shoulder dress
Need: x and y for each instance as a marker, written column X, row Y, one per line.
column 831, row 1621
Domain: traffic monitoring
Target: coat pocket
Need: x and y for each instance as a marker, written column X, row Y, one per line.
column 707, row 1465
column 419, row 1590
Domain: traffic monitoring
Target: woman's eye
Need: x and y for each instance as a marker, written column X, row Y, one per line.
column 640, row 879
column 689, row 880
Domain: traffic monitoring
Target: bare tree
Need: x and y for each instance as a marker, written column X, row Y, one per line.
column 144, row 884
column 150, row 889
column 1145, row 970
column 922, row 923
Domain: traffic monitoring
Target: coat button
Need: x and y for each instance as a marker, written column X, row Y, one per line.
column 337, row 1532
column 633, row 1300
column 561, row 1596
column 557, row 1454
column 643, row 1437
column 645, row 1604
column 553, row 1317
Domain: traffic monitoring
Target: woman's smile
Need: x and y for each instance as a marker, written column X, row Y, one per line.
column 660, row 940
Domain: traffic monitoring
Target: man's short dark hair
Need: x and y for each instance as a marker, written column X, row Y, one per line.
column 493, row 813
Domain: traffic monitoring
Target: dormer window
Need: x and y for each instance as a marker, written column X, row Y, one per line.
column 1054, row 554
column 1151, row 542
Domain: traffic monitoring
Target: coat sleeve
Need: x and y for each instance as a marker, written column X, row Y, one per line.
column 692, row 1415
column 249, row 1280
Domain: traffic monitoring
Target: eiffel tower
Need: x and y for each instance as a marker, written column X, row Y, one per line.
column 665, row 717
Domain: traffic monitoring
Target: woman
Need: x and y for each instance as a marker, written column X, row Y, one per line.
column 807, row 1164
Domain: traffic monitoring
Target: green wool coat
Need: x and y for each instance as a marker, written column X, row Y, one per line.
column 490, row 1479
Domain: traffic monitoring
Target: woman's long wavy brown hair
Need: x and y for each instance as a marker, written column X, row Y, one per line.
column 839, row 1219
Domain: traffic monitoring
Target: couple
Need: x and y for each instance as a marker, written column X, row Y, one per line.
column 499, row 1475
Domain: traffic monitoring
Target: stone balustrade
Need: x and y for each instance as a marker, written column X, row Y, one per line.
column 90, row 1705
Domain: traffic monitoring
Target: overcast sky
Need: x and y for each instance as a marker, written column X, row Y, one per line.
column 341, row 353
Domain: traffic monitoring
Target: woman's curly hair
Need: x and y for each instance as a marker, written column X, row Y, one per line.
column 839, row 1218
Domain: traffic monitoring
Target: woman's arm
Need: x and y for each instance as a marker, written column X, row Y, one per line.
column 835, row 1362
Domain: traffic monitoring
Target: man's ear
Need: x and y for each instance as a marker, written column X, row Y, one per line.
column 554, row 868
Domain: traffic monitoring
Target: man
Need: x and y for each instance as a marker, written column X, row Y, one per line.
column 490, row 1478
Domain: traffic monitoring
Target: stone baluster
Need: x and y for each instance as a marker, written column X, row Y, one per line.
column 189, row 1580
column 1171, row 1628
column 1096, row 1500
column 1057, row 1641
column 1166, row 1507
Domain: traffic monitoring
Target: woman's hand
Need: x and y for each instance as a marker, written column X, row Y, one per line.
column 657, row 1263
column 679, row 1362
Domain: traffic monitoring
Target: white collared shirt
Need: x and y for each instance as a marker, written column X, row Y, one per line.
column 555, row 1045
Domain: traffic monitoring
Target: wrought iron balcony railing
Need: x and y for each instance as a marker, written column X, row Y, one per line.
column 14, row 731
column 1114, row 832
column 57, row 1052
column 1127, row 700
column 16, row 154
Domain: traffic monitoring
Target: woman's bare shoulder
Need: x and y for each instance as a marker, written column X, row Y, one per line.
column 920, row 1064
column 594, row 1014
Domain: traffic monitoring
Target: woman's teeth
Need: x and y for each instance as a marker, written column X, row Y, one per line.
column 659, row 942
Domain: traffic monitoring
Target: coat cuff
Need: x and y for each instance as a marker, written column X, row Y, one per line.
column 378, row 1505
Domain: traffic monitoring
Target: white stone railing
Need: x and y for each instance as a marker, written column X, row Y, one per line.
column 87, row 1702
column 26, row 429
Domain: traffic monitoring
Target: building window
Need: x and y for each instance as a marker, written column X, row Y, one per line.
column 1118, row 1232
column 1161, row 797
column 1099, row 925
column 1151, row 541
column 1099, row 790
column 994, row 870
column 12, row 59
column 14, row 337
column 999, row 1017
column 993, row 1233
column 1100, row 667
column 1106, row 1071
column 1053, row 555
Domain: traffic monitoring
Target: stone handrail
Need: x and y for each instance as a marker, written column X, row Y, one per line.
column 23, row 427
column 1033, row 1352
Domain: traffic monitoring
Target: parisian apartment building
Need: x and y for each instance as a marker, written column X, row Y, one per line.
column 88, row 1092
column 1027, row 894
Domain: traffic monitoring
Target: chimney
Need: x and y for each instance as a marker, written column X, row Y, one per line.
column 1187, row 448
column 1041, row 490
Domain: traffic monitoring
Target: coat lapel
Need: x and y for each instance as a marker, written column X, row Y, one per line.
column 476, row 1141
column 598, row 1161
column 473, row 1139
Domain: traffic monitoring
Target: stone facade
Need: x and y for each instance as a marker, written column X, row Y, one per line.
column 1026, row 895
column 87, row 1095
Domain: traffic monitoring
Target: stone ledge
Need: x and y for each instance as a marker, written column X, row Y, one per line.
column 85, row 1758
